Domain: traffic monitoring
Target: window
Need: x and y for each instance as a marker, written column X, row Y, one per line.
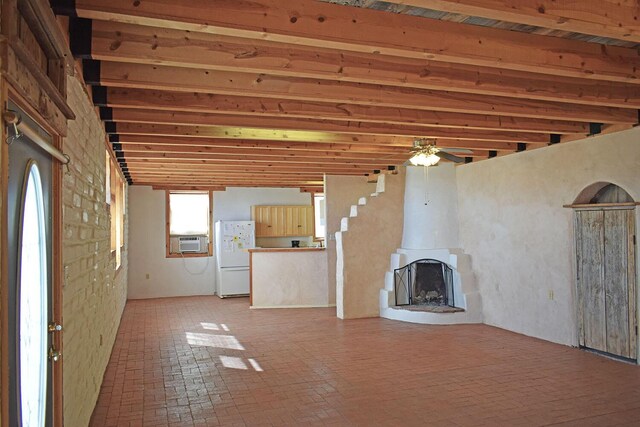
column 115, row 189
column 189, row 215
column 319, row 213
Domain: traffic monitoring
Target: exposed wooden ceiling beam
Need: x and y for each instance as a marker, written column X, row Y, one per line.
column 247, row 167
column 606, row 18
column 357, row 146
column 317, row 24
column 375, row 163
column 189, row 169
column 246, row 84
column 186, row 186
column 292, row 154
column 121, row 42
column 243, row 174
column 224, row 179
column 123, row 100
column 312, row 127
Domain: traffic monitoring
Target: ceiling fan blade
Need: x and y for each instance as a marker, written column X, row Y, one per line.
column 456, row 150
column 449, row 157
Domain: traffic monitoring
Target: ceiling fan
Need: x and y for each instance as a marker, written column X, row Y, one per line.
column 426, row 153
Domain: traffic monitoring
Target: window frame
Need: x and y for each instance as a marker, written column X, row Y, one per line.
column 115, row 194
column 313, row 203
column 167, row 216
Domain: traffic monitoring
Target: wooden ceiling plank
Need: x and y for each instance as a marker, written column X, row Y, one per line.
column 606, row 18
column 133, row 102
column 324, row 25
column 313, row 127
column 121, row 42
column 245, row 84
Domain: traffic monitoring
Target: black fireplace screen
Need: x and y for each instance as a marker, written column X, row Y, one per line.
column 424, row 282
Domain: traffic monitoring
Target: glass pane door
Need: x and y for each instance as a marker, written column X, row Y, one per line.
column 32, row 289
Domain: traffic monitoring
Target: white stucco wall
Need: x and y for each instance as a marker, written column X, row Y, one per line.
column 521, row 239
column 167, row 276
column 289, row 279
column 431, row 208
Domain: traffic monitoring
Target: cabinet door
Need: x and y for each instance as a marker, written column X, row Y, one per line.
column 262, row 216
column 308, row 221
column 302, row 220
column 292, row 221
column 278, row 221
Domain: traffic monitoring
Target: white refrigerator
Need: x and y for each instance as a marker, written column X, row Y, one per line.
column 232, row 272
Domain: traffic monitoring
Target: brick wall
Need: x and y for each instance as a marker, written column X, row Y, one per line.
column 94, row 294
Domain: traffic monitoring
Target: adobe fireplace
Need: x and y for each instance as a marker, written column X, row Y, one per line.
column 425, row 282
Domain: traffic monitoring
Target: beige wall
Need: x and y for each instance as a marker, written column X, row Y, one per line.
column 289, row 279
column 364, row 250
column 340, row 193
column 152, row 274
column 521, row 239
column 94, row 294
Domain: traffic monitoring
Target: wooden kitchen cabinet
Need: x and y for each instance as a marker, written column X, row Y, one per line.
column 283, row 221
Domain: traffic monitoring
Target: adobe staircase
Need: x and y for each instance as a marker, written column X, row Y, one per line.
column 372, row 231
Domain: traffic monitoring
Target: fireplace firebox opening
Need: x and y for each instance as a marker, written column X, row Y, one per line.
column 425, row 282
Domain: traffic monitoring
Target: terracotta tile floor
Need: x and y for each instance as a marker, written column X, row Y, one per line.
column 202, row 361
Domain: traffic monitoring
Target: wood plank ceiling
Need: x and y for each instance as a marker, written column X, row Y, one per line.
column 215, row 93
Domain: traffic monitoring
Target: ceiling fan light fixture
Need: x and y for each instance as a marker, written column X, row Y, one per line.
column 424, row 159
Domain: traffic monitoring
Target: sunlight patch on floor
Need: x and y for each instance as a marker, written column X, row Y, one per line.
column 210, row 326
column 256, row 366
column 233, row 362
column 208, row 340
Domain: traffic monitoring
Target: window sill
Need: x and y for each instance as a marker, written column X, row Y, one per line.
column 178, row 255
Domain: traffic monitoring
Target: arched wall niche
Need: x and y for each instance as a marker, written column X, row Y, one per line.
column 603, row 192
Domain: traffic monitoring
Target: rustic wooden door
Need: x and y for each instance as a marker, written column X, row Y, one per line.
column 605, row 250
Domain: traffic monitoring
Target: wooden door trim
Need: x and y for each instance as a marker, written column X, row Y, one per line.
column 632, row 283
column 4, row 260
column 9, row 93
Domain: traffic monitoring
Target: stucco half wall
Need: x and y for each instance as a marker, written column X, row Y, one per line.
column 521, row 239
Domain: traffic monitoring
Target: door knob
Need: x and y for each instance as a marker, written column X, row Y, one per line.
column 54, row 355
column 54, row 327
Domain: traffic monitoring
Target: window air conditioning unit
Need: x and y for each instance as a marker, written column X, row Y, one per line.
column 189, row 244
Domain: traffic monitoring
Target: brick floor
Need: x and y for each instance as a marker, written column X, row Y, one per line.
column 202, row 361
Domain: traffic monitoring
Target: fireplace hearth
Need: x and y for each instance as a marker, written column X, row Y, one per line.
column 424, row 283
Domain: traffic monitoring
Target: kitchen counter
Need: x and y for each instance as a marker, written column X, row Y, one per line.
column 288, row 277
